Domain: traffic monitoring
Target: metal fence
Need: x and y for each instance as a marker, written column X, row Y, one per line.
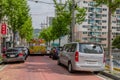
column 116, row 58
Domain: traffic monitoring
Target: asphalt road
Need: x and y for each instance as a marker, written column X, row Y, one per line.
column 43, row 68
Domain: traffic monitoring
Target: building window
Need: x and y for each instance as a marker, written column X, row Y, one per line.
column 117, row 11
column 104, row 15
column 104, row 27
column 118, row 21
column 84, row 1
column 91, row 10
column 103, row 39
column 104, row 9
column 98, row 10
column 84, row 26
column 84, row 32
column 91, row 21
column 113, row 21
column 103, row 32
column 84, row 38
column 104, row 21
column 104, row 44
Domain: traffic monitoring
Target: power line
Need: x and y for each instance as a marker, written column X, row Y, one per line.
column 41, row 2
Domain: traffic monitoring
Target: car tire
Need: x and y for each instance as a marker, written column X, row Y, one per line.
column 70, row 69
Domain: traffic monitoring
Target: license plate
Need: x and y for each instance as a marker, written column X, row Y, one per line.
column 12, row 55
column 91, row 62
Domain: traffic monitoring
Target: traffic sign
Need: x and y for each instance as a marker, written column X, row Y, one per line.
column 3, row 29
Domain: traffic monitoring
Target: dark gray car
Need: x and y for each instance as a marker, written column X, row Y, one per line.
column 14, row 54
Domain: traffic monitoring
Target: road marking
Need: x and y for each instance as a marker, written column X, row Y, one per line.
column 3, row 67
column 101, row 77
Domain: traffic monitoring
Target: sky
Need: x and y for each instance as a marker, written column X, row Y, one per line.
column 40, row 11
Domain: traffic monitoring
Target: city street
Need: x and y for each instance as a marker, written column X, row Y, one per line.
column 42, row 68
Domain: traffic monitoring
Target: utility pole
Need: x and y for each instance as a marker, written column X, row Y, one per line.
column 72, row 22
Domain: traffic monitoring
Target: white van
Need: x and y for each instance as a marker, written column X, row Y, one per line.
column 82, row 57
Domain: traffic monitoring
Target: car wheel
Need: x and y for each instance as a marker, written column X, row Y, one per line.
column 70, row 69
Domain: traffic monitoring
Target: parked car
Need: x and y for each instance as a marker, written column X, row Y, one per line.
column 82, row 57
column 14, row 54
column 26, row 50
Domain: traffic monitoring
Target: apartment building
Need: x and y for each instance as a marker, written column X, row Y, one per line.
column 95, row 26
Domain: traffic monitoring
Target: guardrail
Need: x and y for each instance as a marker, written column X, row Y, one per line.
column 116, row 63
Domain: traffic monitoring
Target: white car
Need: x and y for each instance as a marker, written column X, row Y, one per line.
column 82, row 57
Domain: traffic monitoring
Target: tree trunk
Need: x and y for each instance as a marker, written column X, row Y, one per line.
column 109, row 36
column 14, row 42
column 59, row 42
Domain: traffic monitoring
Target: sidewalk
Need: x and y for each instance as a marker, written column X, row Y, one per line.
column 115, row 75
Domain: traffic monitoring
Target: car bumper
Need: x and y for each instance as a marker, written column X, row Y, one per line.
column 13, row 59
column 89, row 67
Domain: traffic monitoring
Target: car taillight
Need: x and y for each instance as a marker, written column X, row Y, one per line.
column 4, row 55
column 20, row 54
column 76, row 56
column 103, row 58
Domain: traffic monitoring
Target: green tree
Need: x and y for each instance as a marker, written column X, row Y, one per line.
column 63, row 18
column 112, row 6
column 17, row 13
column 1, row 11
column 116, row 42
column 47, row 35
column 26, row 30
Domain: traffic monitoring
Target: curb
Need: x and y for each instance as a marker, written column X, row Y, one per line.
column 117, row 69
column 110, row 76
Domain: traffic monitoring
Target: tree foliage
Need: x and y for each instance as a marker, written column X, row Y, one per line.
column 63, row 17
column 46, row 34
column 26, row 31
column 61, row 23
column 116, row 42
column 17, row 13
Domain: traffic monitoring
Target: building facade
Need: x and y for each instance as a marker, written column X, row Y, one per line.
column 95, row 26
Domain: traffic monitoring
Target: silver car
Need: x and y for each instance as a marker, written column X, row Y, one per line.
column 82, row 57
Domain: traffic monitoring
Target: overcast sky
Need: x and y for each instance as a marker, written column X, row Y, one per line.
column 40, row 11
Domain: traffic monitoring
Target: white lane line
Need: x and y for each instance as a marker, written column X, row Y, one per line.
column 3, row 67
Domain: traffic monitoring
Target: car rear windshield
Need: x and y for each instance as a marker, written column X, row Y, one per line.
column 12, row 50
column 91, row 48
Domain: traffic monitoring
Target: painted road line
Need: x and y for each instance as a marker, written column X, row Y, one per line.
column 3, row 67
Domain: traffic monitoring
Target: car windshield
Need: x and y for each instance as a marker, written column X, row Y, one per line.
column 91, row 48
column 12, row 50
